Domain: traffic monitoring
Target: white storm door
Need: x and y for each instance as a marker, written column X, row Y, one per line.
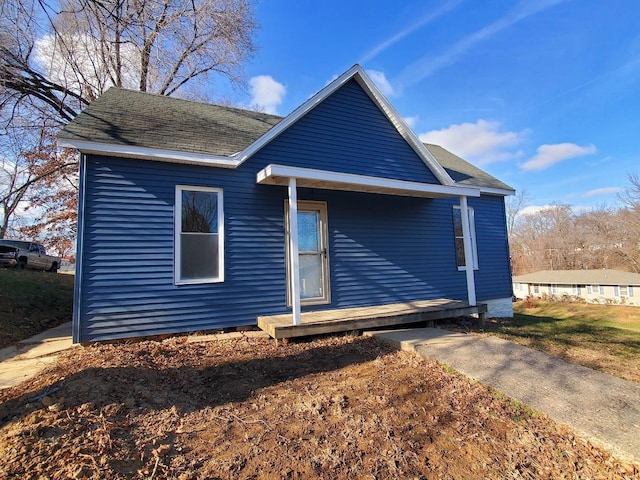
column 313, row 253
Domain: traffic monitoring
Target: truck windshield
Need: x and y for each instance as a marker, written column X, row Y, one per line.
column 16, row 243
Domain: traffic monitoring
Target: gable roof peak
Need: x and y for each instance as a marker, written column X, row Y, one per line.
column 357, row 73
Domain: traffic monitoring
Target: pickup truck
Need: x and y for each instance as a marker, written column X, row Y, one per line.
column 27, row 255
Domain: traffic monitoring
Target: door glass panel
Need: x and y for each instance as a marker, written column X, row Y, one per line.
column 310, row 276
column 308, row 234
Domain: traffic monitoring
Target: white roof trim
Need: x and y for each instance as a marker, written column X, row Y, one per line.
column 324, row 179
column 145, row 153
column 496, row 191
column 377, row 97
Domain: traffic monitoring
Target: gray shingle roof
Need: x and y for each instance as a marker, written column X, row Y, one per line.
column 580, row 277
column 131, row 118
column 463, row 172
column 127, row 117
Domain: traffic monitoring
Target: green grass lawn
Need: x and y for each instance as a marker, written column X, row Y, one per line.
column 31, row 302
column 604, row 337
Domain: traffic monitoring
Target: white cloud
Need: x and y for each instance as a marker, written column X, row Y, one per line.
column 381, row 81
column 87, row 70
column 266, row 93
column 549, row 155
column 412, row 120
column 483, row 141
column 534, row 209
column 602, row 191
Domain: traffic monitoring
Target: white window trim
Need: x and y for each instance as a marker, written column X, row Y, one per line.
column 177, row 230
column 472, row 231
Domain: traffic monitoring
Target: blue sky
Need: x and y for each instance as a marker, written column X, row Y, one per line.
column 543, row 94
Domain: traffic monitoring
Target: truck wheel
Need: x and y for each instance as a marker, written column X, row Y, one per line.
column 22, row 263
column 54, row 268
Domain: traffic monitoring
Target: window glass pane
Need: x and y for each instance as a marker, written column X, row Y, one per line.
column 310, row 276
column 457, row 222
column 630, row 291
column 199, row 211
column 460, row 252
column 199, row 256
column 308, row 235
column 459, row 237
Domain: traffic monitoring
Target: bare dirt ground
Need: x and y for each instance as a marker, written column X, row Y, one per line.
column 335, row 407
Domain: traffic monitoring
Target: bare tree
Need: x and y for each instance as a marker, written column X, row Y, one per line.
column 544, row 240
column 514, row 205
column 58, row 56
column 630, row 197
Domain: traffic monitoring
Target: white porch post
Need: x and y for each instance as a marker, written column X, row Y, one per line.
column 294, row 269
column 468, row 255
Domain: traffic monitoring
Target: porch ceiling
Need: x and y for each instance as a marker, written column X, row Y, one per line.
column 324, row 179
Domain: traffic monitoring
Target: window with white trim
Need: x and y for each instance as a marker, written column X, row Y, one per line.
column 199, row 235
column 459, row 238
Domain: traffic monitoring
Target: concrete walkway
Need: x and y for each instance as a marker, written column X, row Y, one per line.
column 602, row 408
column 29, row 357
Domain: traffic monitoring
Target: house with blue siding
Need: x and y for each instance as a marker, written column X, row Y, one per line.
column 197, row 217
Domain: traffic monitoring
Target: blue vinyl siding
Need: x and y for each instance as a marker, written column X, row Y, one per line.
column 493, row 278
column 128, row 253
column 401, row 250
column 383, row 249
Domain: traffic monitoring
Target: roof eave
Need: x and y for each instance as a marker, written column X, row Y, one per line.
column 496, row 191
column 145, row 153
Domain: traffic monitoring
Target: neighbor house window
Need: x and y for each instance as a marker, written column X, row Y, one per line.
column 459, row 238
column 553, row 289
column 199, row 235
column 536, row 288
column 595, row 289
column 622, row 291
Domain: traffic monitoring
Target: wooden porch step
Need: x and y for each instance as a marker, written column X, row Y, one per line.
column 361, row 318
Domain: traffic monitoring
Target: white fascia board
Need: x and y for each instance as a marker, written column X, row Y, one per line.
column 497, row 191
column 149, row 153
column 386, row 185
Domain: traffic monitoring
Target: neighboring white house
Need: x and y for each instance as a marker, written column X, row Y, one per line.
column 595, row 286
